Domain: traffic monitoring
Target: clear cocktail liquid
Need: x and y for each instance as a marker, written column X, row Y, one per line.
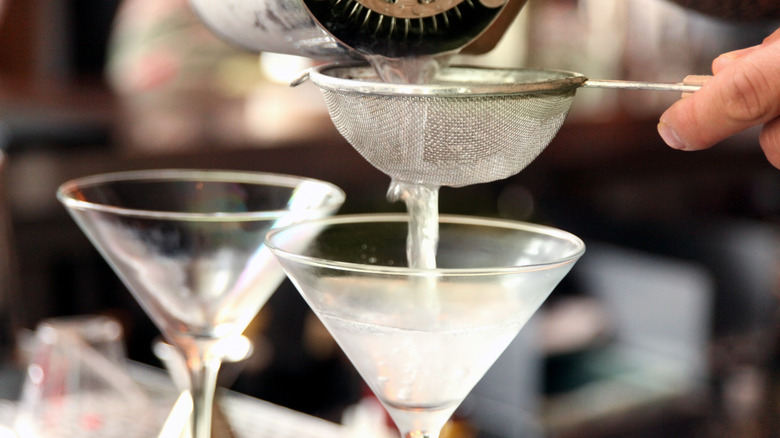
column 421, row 376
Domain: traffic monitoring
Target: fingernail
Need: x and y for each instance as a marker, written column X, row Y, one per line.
column 669, row 136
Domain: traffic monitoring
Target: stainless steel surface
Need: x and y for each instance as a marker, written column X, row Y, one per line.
column 453, row 82
column 271, row 26
column 349, row 29
column 409, row 8
column 468, row 126
column 635, row 85
column 471, row 125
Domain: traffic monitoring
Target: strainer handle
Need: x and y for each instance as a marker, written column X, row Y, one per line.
column 301, row 78
column 689, row 85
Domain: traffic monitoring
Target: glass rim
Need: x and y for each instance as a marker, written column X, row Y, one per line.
column 65, row 191
column 445, row 218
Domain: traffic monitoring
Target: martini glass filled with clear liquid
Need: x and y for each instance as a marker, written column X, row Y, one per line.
column 189, row 244
column 422, row 338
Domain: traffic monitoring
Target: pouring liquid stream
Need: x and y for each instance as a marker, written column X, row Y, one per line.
column 409, row 70
column 422, row 204
column 422, row 201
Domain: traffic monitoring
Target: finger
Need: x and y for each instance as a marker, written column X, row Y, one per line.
column 742, row 95
column 729, row 58
column 770, row 141
column 772, row 38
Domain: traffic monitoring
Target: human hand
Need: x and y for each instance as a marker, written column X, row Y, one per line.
column 744, row 92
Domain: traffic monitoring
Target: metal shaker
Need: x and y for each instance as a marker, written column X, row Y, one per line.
column 336, row 30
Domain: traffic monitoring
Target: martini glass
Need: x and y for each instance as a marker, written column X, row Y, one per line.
column 422, row 338
column 189, row 246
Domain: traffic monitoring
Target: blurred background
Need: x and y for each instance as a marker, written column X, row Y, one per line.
column 667, row 327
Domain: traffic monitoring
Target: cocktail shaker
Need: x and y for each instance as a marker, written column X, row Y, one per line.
column 336, row 30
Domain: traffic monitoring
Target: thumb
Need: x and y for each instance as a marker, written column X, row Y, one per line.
column 742, row 94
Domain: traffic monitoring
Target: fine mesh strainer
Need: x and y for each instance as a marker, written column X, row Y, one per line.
column 470, row 125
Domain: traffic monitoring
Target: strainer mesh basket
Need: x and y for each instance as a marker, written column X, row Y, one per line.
column 447, row 136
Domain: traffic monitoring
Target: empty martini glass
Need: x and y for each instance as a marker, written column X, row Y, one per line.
column 189, row 246
column 422, row 338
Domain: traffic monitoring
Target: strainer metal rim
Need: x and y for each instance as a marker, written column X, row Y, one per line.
column 491, row 82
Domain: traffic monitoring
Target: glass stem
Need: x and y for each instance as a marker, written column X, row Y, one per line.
column 203, row 368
